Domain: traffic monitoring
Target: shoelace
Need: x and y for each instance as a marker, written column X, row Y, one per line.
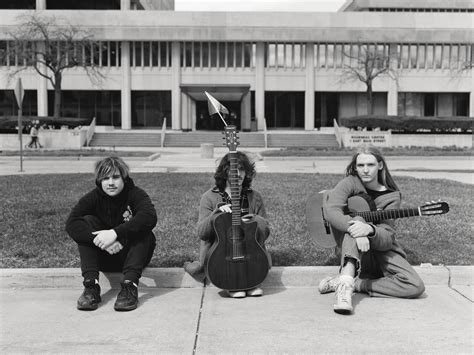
column 343, row 292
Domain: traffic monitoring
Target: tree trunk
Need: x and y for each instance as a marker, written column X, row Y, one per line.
column 370, row 106
column 57, row 95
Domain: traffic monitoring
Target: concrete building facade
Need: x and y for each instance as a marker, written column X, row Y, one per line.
column 272, row 70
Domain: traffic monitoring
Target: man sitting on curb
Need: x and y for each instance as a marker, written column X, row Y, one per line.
column 112, row 226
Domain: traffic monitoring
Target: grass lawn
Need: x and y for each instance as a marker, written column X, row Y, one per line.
column 34, row 209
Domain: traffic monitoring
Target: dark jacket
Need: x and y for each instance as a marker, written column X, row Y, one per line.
column 131, row 214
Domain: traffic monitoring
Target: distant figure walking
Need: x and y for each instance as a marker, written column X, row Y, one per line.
column 34, row 138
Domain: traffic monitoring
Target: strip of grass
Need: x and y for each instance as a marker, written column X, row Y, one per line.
column 34, row 209
column 74, row 153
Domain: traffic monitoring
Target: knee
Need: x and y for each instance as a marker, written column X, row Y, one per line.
column 414, row 287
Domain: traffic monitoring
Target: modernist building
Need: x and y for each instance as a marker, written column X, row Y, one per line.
column 282, row 70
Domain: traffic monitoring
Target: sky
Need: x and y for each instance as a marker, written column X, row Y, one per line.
column 259, row 5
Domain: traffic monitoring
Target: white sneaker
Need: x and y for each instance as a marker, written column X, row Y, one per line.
column 343, row 297
column 237, row 294
column 328, row 284
column 255, row 292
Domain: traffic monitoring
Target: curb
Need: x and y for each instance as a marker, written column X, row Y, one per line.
column 278, row 277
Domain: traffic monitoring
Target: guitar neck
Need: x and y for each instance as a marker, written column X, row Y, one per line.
column 376, row 216
column 234, row 188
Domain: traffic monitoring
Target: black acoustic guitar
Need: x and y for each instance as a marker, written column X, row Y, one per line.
column 363, row 206
column 236, row 260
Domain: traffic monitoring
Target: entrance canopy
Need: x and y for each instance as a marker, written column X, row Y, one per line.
column 221, row 92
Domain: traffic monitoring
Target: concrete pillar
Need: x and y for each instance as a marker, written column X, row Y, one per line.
column 124, row 4
column 245, row 112
column 309, row 88
column 40, row 4
column 42, row 89
column 192, row 114
column 471, row 95
column 392, row 95
column 260, row 85
column 185, row 112
column 392, row 98
column 126, row 86
column 175, row 89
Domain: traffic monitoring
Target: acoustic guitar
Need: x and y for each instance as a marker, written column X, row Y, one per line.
column 359, row 205
column 236, row 260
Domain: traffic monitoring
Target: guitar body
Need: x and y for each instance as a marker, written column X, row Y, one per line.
column 244, row 272
column 318, row 228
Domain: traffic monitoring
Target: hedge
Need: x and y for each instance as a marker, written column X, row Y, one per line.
column 410, row 124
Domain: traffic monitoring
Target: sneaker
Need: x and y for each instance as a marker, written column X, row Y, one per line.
column 127, row 299
column 90, row 298
column 343, row 298
column 254, row 292
column 237, row 294
column 328, row 284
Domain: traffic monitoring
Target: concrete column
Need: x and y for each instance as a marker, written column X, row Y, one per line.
column 40, row 4
column 185, row 112
column 260, row 85
column 392, row 95
column 42, row 88
column 392, row 98
column 192, row 114
column 175, row 89
column 309, row 88
column 126, row 86
column 245, row 112
column 124, row 4
column 471, row 95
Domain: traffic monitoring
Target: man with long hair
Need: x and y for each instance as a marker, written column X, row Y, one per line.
column 367, row 249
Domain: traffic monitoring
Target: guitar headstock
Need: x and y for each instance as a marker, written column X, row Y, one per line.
column 231, row 139
column 434, row 208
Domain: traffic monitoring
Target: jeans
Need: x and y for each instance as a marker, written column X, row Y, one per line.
column 131, row 260
column 382, row 273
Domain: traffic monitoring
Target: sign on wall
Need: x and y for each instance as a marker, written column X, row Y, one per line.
column 357, row 138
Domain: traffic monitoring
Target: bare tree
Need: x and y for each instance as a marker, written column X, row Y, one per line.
column 51, row 46
column 365, row 63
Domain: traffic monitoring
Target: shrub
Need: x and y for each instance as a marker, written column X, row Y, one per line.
column 410, row 124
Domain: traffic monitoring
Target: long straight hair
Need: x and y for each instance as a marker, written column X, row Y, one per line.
column 384, row 177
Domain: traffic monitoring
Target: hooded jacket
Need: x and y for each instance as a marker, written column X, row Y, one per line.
column 131, row 213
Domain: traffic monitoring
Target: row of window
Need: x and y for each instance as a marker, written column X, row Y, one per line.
column 243, row 54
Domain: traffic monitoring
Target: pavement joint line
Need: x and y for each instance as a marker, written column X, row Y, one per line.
column 196, row 335
column 451, row 286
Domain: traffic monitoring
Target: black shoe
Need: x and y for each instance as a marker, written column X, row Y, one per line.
column 127, row 299
column 90, row 298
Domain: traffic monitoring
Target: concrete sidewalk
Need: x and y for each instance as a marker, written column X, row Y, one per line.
column 178, row 314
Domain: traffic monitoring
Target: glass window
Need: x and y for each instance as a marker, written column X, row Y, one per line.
column 197, row 54
column 421, row 56
column 155, row 53
column 338, row 55
column 280, row 55
column 239, row 55
column 322, row 55
column 413, row 57
column 213, row 54
column 430, row 104
column 271, row 55
column 164, row 54
column 429, row 56
column 438, row 56
column 150, row 108
column 205, row 54
column 248, row 55
column 222, row 54
column 146, row 54
column 330, row 56
column 230, row 54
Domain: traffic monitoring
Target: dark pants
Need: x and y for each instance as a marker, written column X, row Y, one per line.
column 384, row 273
column 131, row 260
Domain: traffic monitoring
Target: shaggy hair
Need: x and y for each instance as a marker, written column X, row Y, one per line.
column 222, row 173
column 109, row 166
